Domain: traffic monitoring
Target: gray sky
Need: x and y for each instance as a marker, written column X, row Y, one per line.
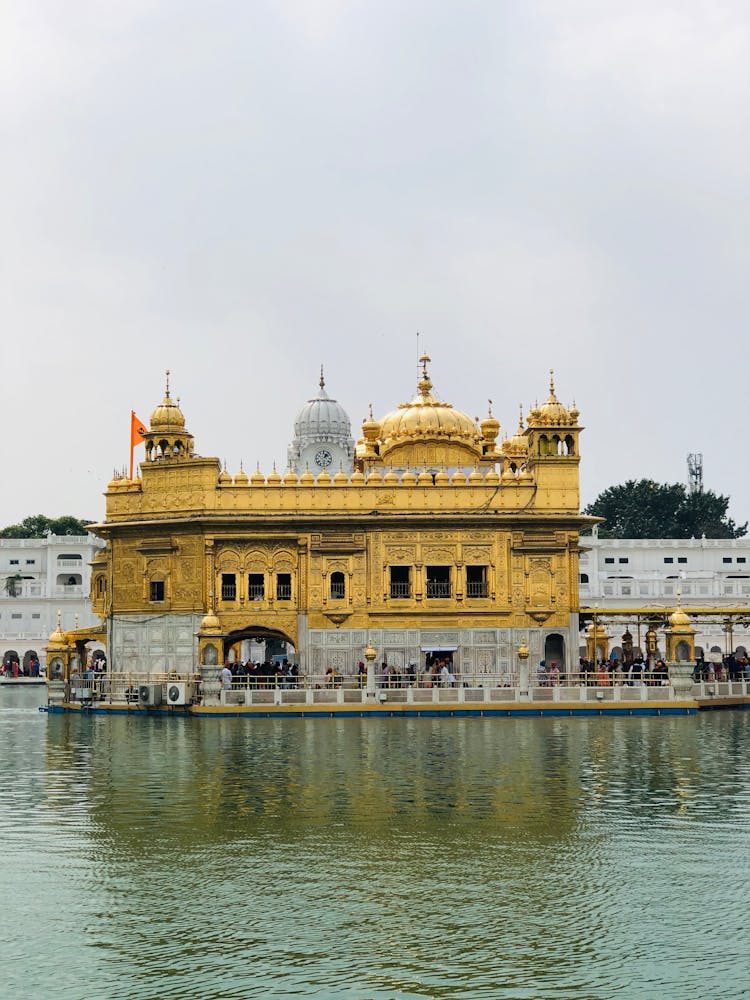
column 240, row 191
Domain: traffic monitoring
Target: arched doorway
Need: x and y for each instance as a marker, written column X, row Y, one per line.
column 258, row 645
column 554, row 651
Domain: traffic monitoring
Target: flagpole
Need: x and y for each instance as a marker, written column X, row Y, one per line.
column 132, row 446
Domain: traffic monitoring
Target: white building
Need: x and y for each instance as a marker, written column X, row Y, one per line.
column 38, row 577
column 655, row 572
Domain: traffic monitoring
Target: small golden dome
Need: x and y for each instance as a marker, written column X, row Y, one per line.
column 324, row 478
column 370, row 428
column 492, row 478
column 306, row 479
column 518, row 445
column 459, row 478
column 408, row 478
column 390, row 478
column 241, row 478
column 508, row 477
column 525, row 477
column 210, row 623
column 424, row 478
column 442, row 478
column 475, row 477
column 167, row 416
column 224, row 478
column 257, row 478
column 678, row 618
column 490, row 427
column 358, row 478
column 58, row 639
column 274, row 479
column 553, row 413
column 374, row 478
column 341, row 478
column 290, row 478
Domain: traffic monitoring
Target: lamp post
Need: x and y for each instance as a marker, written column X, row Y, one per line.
column 370, row 654
column 523, row 671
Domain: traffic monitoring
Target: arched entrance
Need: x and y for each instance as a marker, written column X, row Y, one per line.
column 554, row 651
column 258, row 644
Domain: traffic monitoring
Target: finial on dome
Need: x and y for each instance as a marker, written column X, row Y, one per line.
column 166, row 392
column 425, row 384
column 552, row 383
column 489, row 407
column 371, row 416
column 59, row 620
column 520, row 416
column 322, row 382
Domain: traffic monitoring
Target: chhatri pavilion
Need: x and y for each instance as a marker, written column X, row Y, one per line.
column 430, row 535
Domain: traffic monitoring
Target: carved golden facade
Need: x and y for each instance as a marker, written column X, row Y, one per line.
column 442, row 538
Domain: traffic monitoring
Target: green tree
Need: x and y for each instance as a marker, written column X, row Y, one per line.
column 38, row 526
column 645, row 509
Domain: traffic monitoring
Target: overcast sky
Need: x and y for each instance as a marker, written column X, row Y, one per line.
column 239, row 191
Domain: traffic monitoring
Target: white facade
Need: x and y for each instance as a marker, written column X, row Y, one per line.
column 54, row 575
column 652, row 572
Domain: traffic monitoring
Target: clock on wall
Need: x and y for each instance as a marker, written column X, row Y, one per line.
column 323, row 458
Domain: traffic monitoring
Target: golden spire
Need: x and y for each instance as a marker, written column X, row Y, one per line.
column 520, row 418
column 424, row 385
column 552, row 396
column 166, row 392
column 322, row 382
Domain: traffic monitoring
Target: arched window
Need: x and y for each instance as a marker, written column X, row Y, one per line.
column 338, row 587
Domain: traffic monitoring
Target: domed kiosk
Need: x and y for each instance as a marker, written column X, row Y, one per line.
column 322, row 436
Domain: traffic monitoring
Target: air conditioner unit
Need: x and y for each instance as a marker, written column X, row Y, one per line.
column 150, row 695
column 180, row 692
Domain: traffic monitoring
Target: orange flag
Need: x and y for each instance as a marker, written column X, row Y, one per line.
column 138, row 431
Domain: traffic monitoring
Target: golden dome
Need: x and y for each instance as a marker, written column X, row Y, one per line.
column 374, row 478
column 224, row 478
column 553, row 413
column 492, row 478
column 324, row 478
column 390, row 478
column 341, row 478
column 167, row 416
column 274, row 479
column 370, row 427
column 459, row 478
column 475, row 477
column 490, row 426
column 518, row 445
column 442, row 478
column 678, row 618
column 525, row 476
column 306, row 479
column 408, row 478
column 426, row 418
column 241, row 478
column 210, row 623
column 290, row 478
column 358, row 478
column 257, row 478
column 424, row 478
column 508, row 476
column 58, row 639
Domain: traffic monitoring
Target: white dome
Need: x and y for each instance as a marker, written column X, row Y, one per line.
column 322, row 421
column 322, row 417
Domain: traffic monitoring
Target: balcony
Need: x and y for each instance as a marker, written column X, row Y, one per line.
column 69, row 590
column 438, row 588
column 477, row 588
column 400, row 589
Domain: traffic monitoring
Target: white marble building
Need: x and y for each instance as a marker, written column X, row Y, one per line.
column 653, row 572
column 46, row 575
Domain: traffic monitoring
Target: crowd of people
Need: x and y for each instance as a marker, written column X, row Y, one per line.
column 11, row 667
column 281, row 673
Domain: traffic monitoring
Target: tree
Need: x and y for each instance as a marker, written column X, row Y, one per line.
column 645, row 509
column 39, row 526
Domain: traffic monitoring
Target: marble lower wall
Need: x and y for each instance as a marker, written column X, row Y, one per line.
column 481, row 651
column 154, row 643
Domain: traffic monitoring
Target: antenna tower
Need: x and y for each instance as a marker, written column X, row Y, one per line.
column 695, row 472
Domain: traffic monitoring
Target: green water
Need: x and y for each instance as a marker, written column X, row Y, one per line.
column 383, row 859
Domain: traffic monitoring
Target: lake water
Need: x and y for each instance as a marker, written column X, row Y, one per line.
column 383, row 859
